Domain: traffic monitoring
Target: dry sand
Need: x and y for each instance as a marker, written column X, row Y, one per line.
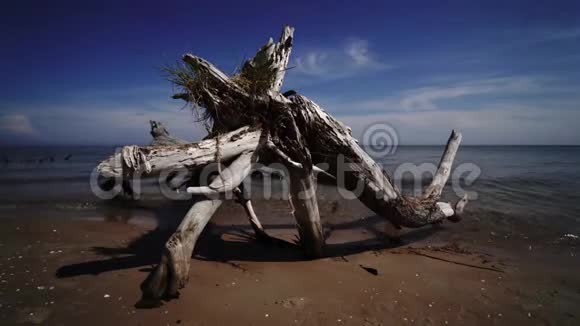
column 61, row 271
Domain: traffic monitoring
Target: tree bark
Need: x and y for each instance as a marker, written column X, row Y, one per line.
column 151, row 160
column 305, row 211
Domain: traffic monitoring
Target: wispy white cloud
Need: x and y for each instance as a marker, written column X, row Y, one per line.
column 492, row 124
column 421, row 115
column 561, row 34
column 507, row 110
column 16, row 125
column 428, row 98
column 98, row 117
column 358, row 51
column 352, row 58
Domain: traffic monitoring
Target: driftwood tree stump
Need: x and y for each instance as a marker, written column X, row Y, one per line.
column 252, row 121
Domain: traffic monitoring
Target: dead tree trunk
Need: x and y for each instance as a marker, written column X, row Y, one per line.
column 252, row 120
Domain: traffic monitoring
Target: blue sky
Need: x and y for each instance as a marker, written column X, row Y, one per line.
column 503, row 72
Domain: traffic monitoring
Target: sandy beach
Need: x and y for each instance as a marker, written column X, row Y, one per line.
column 63, row 271
column 239, row 163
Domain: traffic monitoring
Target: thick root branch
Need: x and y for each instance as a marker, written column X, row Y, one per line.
column 305, row 210
column 172, row 272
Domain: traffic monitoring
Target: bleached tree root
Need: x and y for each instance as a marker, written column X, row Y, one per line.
column 252, row 120
column 305, row 211
column 151, row 160
column 172, row 273
column 228, row 179
column 355, row 169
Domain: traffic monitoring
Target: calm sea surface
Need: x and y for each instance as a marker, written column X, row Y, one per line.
column 537, row 185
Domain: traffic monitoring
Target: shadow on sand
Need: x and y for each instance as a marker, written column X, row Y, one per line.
column 239, row 245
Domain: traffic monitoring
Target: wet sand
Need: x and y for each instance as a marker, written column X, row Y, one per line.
column 63, row 271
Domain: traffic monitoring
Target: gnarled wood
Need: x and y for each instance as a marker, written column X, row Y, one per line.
column 173, row 271
column 154, row 159
column 327, row 137
column 444, row 170
column 161, row 136
column 332, row 143
column 305, row 211
column 247, row 109
column 272, row 57
column 244, row 199
column 228, row 179
column 160, row 133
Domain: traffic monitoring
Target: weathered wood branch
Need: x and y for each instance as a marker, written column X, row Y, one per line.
column 151, row 160
column 228, row 180
column 173, row 271
column 302, row 184
column 289, row 162
column 158, row 131
column 268, row 66
column 244, row 199
column 305, row 211
column 161, row 136
column 328, row 137
column 444, row 170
